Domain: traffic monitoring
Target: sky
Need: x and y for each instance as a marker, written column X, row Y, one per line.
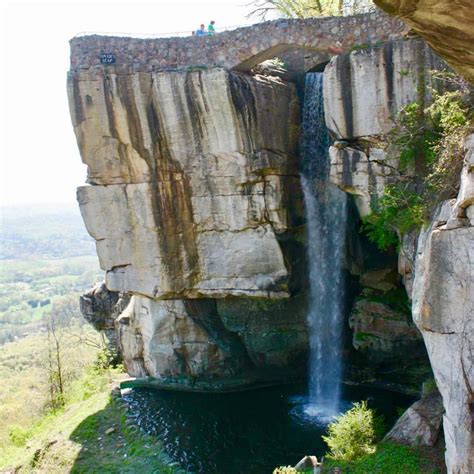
column 39, row 158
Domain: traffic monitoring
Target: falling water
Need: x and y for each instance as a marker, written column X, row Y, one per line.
column 326, row 214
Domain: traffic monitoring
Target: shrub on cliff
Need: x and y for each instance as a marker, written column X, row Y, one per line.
column 429, row 140
column 353, row 433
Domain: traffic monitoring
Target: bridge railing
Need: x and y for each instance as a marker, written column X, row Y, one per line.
column 155, row 35
column 350, row 7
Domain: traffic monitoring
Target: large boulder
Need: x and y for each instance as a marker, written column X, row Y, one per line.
column 169, row 338
column 420, row 424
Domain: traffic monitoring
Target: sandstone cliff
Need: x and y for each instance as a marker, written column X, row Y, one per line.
column 443, row 309
column 445, row 25
column 194, row 194
column 436, row 266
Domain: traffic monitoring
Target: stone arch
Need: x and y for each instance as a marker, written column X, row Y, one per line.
column 310, row 58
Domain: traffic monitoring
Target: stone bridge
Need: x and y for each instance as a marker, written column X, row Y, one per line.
column 240, row 49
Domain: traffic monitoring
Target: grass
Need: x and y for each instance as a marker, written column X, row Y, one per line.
column 24, row 391
column 388, row 459
column 76, row 440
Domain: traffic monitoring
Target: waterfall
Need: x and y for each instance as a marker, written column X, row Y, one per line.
column 326, row 215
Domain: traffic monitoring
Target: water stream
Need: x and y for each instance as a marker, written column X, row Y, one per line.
column 326, row 216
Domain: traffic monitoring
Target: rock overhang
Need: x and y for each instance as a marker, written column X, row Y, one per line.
column 190, row 173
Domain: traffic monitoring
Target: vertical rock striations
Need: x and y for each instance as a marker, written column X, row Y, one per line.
column 443, row 309
column 190, row 175
column 364, row 90
column 445, row 25
column 194, row 195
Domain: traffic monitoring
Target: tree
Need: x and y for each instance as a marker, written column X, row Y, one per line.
column 308, row 8
column 55, row 362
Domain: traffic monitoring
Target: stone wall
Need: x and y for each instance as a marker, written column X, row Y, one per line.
column 238, row 49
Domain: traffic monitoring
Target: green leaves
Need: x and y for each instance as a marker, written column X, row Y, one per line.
column 399, row 211
column 353, row 434
column 429, row 144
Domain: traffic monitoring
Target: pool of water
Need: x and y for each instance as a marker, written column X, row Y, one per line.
column 247, row 432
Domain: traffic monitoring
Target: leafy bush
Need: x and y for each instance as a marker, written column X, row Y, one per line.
column 429, row 142
column 285, row 470
column 400, row 210
column 354, row 433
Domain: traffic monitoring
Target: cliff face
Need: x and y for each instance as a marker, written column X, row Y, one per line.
column 445, row 25
column 363, row 91
column 193, row 176
column 436, row 265
column 443, row 309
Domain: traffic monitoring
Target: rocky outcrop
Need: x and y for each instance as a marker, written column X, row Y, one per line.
column 362, row 174
column 443, row 309
column 164, row 338
column 383, row 333
column 365, row 89
column 420, row 424
column 445, row 25
column 101, row 308
column 194, row 203
column 193, row 174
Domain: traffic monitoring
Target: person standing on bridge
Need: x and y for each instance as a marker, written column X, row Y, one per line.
column 211, row 30
column 201, row 31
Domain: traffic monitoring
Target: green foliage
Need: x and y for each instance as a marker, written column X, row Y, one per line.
column 386, row 459
column 353, row 433
column 428, row 140
column 19, row 436
column 412, row 136
column 285, row 470
column 399, row 211
column 308, row 8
